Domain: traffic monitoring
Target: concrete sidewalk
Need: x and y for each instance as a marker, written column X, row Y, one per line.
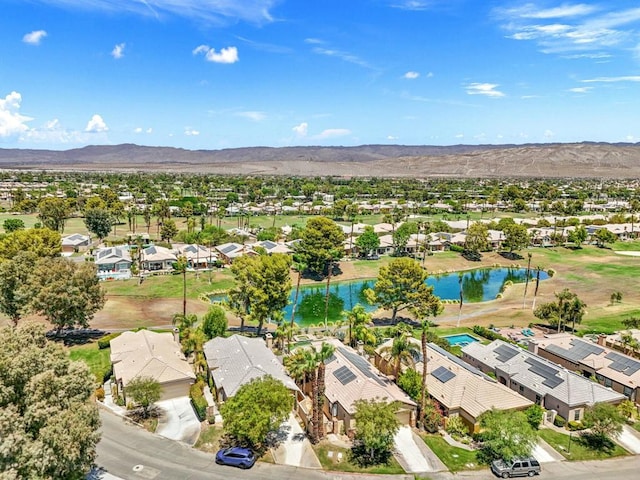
column 629, row 439
column 413, row 454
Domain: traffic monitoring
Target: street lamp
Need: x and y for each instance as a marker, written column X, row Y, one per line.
column 569, row 447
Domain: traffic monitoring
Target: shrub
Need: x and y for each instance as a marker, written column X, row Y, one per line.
column 456, row 426
column 535, row 414
column 197, row 400
column 559, row 421
column 456, row 248
column 104, row 341
column 551, row 272
column 100, row 394
column 575, row 425
column 489, row 334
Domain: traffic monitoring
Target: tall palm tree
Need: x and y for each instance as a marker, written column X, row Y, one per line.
column 358, row 320
column 299, row 266
column 181, row 267
column 326, row 350
column 400, row 351
column 526, row 284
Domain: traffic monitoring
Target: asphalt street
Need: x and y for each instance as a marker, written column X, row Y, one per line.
column 132, row 453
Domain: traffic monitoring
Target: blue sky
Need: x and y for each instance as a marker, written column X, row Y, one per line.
column 211, row 74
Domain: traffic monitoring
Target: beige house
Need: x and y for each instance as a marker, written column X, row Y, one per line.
column 150, row 354
column 610, row 368
column 156, row 259
column 538, row 379
column 460, row 389
column 350, row 377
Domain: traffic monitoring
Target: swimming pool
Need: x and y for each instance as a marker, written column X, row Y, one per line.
column 460, row 340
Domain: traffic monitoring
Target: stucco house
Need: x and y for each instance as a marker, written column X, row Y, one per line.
column 538, row 379
column 75, row 242
column 150, row 354
column 155, row 258
column 236, row 360
column 460, row 389
column 113, row 262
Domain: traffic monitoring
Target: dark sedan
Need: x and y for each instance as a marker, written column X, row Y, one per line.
column 236, row 457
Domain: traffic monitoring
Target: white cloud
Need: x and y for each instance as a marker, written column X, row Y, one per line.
column 460, row 135
column 530, row 11
column 255, row 116
column 415, row 5
column 411, row 75
column 548, row 134
column 302, row 129
column 580, row 89
column 333, row 132
column 191, row 132
column 208, row 11
column 345, row 56
column 627, row 78
column 392, row 137
column 34, row 38
column 96, row 125
column 314, row 41
column 11, row 121
column 225, row 55
column 137, row 130
column 142, row 130
column 430, row 75
column 118, row 51
column 486, row 89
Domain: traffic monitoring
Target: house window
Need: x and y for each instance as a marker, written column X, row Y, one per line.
column 538, row 399
column 576, row 415
column 628, row 391
column 607, row 382
column 521, row 389
column 334, row 409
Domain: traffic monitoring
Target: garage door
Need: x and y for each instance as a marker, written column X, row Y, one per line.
column 404, row 417
column 175, row 389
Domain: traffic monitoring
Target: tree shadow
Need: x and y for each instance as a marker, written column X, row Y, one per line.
column 596, row 442
column 72, row 336
column 511, row 255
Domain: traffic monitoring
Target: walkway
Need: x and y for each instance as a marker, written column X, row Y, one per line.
column 545, row 453
column 413, row 454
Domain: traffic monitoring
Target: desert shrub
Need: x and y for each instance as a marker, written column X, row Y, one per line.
column 100, row 394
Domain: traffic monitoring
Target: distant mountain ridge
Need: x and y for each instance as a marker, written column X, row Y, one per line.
column 587, row 159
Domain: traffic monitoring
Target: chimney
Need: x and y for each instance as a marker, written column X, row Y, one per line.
column 268, row 338
column 532, row 346
column 360, row 347
column 601, row 339
column 176, row 335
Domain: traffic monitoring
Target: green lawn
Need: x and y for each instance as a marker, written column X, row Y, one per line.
column 456, row 459
column 170, row 286
column 97, row 360
column 393, row 468
column 578, row 450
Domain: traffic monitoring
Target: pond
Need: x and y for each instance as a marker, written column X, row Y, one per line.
column 478, row 285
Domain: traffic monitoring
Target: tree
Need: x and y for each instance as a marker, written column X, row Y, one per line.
column 367, row 242
column 603, row 421
column 401, row 284
column 506, row 435
column 168, row 230
column 299, row 267
column 535, row 414
column 411, row 382
column 567, row 308
column 401, row 236
column 604, row 236
column 321, row 244
column 180, row 266
column 144, row 391
column 377, row 425
column 401, row 350
column 359, row 321
column 578, row 236
column 263, row 286
column 628, row 409
column 258, row 408
column 65, row 292
column 214, row 322
column 43, row 242
column 516, row 237
column 49, row 424
column 477, row 239
column 13, row 274
column 320, row 357
column 98, row 221
column 12, row 224
column 53, row 213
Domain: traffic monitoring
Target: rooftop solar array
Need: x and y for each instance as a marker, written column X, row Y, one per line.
column 344, row 375
column 623, row 364
column 268, row 244
column 228, row 249
column 504, row 353
column 443, row 374
column 361, row 364
column 579, row 350
column 547, row 372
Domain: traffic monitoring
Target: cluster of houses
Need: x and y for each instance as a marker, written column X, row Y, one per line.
column 115, row 262
column 560, row 372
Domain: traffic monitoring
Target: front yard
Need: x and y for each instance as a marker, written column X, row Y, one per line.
column 334, row 458
column 97, row 360
column 572, row 447
column 456, row 459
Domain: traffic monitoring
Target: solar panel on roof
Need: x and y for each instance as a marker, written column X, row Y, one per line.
column 268, row 244
column 443, row 374
column 623, row 364
column 344, row 375
column 360, row 363
column 504, row 353
column 552, row 382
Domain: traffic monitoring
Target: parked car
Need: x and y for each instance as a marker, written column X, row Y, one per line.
column 236, row 457
column 518, row 467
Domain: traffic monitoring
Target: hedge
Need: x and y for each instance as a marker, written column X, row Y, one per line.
column 104, row 341
column 198, row 401
column 489, row 334
column 559, row 421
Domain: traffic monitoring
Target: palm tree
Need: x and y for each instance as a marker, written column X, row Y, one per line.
column 526, row 284
column 181, row 267
column 359, row 320
column 325, row 352
column 400, row 351
column 284, row 333
column 626, row 339
column 301, row 366
column 299, row 266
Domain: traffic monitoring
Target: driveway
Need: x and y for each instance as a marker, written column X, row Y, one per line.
column 629, row 439
column 295, row 450
column 544, row 453
column 413, row 454
column 178, row 421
